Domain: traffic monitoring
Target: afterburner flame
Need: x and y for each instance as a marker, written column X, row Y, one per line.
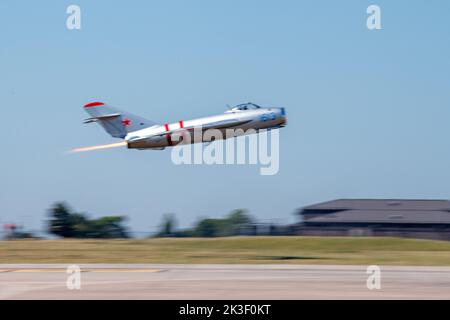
column 103, row 146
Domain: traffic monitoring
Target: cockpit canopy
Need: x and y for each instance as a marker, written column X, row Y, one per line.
column 245, row 106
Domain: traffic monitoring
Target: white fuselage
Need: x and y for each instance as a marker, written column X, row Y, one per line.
column 161, row 136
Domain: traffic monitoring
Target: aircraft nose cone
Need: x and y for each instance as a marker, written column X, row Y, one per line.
column 283, row 116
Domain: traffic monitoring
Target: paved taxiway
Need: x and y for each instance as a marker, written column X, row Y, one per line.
column 140, row 281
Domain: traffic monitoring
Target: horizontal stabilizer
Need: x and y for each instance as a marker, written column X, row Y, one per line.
column 105, row 117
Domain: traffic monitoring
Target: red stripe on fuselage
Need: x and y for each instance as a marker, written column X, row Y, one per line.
column 168, row 137
column 169, row 140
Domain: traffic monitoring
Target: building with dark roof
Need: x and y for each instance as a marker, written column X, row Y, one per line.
column 427, row 219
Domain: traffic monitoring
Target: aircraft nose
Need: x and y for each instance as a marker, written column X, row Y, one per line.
column 283, row 116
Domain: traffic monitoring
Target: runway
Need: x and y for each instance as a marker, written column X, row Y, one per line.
column 144, row 281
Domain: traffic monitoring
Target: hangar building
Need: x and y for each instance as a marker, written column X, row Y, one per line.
column 426, row 219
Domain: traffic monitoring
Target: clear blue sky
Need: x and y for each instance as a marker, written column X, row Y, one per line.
column 368, row 111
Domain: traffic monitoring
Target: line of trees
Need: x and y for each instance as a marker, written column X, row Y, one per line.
column 238, row 222
column 68, row 224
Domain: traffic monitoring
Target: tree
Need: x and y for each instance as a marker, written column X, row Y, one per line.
column 212, row 228
column 238, row 219
column 67, row 224
column 61, row 224
column 107, row 227
column 168, row 225
column 233, row 224
column 80, row 225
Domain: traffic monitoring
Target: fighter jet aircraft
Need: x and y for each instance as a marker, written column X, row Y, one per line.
column 140, row 133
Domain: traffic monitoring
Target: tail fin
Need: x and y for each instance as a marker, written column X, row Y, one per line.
column 116, row 122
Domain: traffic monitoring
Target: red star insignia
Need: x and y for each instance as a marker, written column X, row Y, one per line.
column 126, row 122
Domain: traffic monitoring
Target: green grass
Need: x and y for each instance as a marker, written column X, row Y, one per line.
column 286, row 250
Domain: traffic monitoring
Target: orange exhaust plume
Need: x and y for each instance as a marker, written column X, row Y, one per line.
column 100, row 147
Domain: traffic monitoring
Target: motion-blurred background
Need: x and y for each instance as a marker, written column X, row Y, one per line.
column 368, row 110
